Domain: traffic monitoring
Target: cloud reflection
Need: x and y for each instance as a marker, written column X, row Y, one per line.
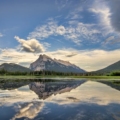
column 89, row 92
column 29, row 111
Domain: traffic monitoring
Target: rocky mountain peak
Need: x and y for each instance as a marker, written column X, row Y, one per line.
column 44, row 62
column 44, row 57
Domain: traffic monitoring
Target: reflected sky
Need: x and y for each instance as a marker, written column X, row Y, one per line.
column 66, row 100
column 90, row 92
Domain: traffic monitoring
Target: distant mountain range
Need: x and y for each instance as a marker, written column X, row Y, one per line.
column 44, row 62
column 110, row 68
column 11, row 67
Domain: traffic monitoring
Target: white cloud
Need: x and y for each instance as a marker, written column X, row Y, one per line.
column 73, row 32
column 1, row 35
column 109, row 39
column 44, row 31
column 31, row 45
column 102, row 11
column 61, row 30
column 81, row 31
column 14, row 56
column 86, row 59
column 89, row 60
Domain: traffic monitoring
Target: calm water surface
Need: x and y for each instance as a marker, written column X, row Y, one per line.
column 60, row 100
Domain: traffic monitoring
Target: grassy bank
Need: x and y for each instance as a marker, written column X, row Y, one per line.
column 37, row 77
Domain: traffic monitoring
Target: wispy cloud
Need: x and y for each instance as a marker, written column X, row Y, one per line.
column 1, row 35
column 102, row 12
column 75, row 14
column 82, row 32
column 109, row 39
column 61, row 30
column 61, row 4
column 75, row 32
column 44, row 31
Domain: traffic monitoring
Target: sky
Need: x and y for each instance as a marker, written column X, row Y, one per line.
column 83, row 32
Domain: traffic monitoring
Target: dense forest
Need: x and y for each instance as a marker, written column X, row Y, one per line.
column 41, row 73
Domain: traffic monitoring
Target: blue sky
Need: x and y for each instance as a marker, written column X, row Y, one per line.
column 84, row 32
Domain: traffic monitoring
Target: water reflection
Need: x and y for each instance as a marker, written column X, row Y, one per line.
column 89, row 92
column 44, row 89
column 114, row 84
column 61, row 100
column 28, row 110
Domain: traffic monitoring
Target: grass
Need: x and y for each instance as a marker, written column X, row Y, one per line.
column 53, row 76
column 99, row 77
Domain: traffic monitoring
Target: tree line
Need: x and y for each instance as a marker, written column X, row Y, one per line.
column 53, row 73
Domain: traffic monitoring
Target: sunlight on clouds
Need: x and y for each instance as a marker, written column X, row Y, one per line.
column 104, row 14
column 74, row 32
column 78, row 31
column 89, row 60
column 86, row 59
column 14, row 56
column 31, row 45
column 102, row 10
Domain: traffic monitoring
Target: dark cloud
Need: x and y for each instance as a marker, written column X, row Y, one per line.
column 71, row 55
column 115, row 14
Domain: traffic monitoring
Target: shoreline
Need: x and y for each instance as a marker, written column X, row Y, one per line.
column 59, row 77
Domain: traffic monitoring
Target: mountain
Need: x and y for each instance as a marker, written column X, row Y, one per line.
column 110, row 68
column 45, row 89
column 14, row 67
column 44, row 62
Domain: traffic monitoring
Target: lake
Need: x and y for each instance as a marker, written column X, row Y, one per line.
column 60, row 100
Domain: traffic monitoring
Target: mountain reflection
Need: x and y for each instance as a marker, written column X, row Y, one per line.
column 64, row 100
column 44, row 89
column 114, row 84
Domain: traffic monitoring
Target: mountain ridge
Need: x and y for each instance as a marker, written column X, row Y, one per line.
column 45, row 62
column 112, row 67
column 12, row 67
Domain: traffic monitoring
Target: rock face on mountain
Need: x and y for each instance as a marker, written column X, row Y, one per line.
column 11, row 67
column 44, row 62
